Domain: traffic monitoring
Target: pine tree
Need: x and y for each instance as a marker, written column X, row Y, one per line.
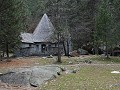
column 104, row 24
column 12, row 22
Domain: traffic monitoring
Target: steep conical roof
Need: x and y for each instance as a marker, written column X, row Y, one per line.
column 44, row 30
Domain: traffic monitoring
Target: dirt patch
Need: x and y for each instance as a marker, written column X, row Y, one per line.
column 23, row 62
column 18, row 62
column 4, row 86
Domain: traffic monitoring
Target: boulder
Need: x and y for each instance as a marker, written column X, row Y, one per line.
column 74, row 53
column 16, row 78
column 50, row 56
column 39, row 76
column 42, row 74
column 82, row 52
column 33, row 76
column 70, row 71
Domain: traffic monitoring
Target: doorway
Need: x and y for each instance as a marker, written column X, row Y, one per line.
column 43, row 48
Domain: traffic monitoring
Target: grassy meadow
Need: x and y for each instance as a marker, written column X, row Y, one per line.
column 94, row 76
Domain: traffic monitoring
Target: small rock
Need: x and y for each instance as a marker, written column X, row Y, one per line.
column 115, row 85
column 116, row 72
column 74, row 71
column 70, row 62
column 103, row 55
column 70, row 71
column 88, row 61
column 50, row 56
column 58, row 73
column 44, row 57
column 63, row 68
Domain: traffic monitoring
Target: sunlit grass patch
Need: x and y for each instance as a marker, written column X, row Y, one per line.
column 88, row 78
column 65, row 60
column 46, row 61
column 79, row 60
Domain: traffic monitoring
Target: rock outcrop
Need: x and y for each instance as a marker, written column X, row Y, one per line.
column 33, row 76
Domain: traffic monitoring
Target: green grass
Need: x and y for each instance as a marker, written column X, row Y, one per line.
column 95, row 76
column 104, row 60
column 45, row 61
column 88, row 78
column 79, row 60
column 3, row 70
column 65, row 60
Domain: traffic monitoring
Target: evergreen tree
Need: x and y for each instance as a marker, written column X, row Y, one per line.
column 58, row 11
column 116, row 12
column 36, row 9
column 104, row 24
column 12, row 22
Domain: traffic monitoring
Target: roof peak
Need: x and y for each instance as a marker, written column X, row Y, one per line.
column 45, row 14
column 42, row 33
column 44, row 29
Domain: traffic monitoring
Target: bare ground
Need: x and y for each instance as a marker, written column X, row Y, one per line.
column 16, row 63
column 32, row 61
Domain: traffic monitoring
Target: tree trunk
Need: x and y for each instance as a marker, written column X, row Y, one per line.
column 64, row 49
column 111, row 50
column 0, row 56
column 107, row 49
column 59, row 54
column 106, row 44
column 3, row 54
column 7, row 49
column 96, row 50
column 67, row 48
